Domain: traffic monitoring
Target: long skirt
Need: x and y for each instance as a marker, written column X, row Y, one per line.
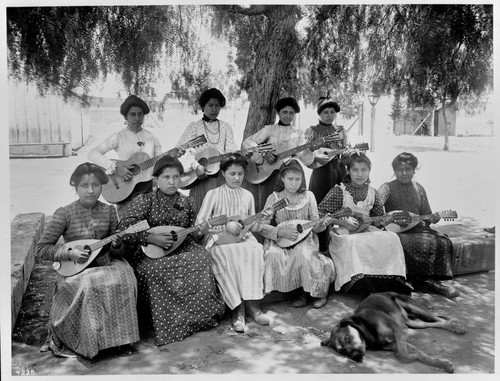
column 180, row 292
column 94, row 310
column 428, row 253
column 239, row 270
column 298, row 266
column 371, row 254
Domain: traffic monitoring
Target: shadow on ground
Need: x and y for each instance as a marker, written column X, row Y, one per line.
column 291, row 344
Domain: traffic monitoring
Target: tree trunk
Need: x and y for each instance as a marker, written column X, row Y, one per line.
column 275, row 53
column 445, row 119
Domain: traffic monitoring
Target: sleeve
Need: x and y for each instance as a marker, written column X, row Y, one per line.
column 205, row 212
column 378, row 206
column 138, row 210
column 265, row 228
column 306, row 156
column 345, row 140
column 254, row 140
column 332, row 202
column 48, row 248
column 191, row 211
column 157, row 145
column 96, row 154
column 113, row 225
column 384, row 192
column 309, row 135
column 188, row 134
column 230, row 144
column 188, row 160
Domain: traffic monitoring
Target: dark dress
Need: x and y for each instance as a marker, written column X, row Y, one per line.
column 179, row 290
column 326, row 177
column 428, row 253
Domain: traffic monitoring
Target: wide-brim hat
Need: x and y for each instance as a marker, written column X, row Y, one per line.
column 288, row 101
column 167, row 161
column 132, row 101
column 209, row 94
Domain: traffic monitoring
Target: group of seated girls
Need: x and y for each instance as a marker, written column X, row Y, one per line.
column 188, row 290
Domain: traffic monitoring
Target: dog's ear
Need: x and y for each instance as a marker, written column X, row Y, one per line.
column 348, row 321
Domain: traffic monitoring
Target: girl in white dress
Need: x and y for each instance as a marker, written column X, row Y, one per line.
column 238, row 267
column 371, row 259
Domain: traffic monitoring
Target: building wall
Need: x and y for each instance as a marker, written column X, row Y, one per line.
column 36, row 120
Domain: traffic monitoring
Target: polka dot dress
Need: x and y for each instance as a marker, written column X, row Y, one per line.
column 179, row 290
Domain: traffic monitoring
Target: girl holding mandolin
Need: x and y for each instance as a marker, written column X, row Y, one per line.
column 367, row 260
column 300, row 265
column 94, row 309
column 178, row 289
column 428, row 253
column 238, row 266
column 328, row 171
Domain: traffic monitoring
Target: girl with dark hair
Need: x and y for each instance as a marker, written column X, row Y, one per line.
column 178, row 290
column 283, row 135
column 301, row 265
column 370, row 260
column 85, row 318
column 238, row 267
column 219, row 136
column 332, row 171
column 428, row 254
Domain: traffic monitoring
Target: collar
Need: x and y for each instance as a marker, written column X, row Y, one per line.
column 324, row 124
column 207, row 119
column 283, row 124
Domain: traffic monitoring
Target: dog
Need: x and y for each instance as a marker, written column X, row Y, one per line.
column 381, row 321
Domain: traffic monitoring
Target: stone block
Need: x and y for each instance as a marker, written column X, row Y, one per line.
column 26, row 230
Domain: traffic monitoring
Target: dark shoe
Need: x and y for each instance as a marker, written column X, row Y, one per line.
column 301, row 301
column 440, row 288
column 319, row 302
column 253, row 310
column 239, row 318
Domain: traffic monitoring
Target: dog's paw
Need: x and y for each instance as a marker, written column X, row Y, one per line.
column 447, row 366
column 458, row 328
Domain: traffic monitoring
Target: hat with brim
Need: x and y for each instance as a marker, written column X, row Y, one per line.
column 132, row 101
column 288, row 101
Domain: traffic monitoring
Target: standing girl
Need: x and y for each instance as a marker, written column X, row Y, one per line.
column 219, row 136
column 332, row 171
column 238, row 267
column 372, row 260
column 301, row 265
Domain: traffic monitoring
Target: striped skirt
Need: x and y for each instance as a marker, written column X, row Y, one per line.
column 239, row 270
column 298, row 266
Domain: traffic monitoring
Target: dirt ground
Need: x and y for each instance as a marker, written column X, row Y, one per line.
column 291, row 343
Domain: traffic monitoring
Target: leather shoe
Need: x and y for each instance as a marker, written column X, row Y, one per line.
column 301, row 301
column 253, row 310
column 440, row 288
column 319, row 302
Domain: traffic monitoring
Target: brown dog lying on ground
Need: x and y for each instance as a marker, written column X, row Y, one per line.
column 381, row 321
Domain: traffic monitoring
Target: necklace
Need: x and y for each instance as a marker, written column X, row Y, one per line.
column 207, row 130
column 293, row 198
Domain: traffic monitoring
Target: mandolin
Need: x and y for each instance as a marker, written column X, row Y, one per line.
column 178, row 235
column 210, row 158
column 141, row 166
column 224, row 238
column 365, row 221
column 257, row 173
column 304, row 227
column 330, row 153
column 94, row 246
column 447, row 215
